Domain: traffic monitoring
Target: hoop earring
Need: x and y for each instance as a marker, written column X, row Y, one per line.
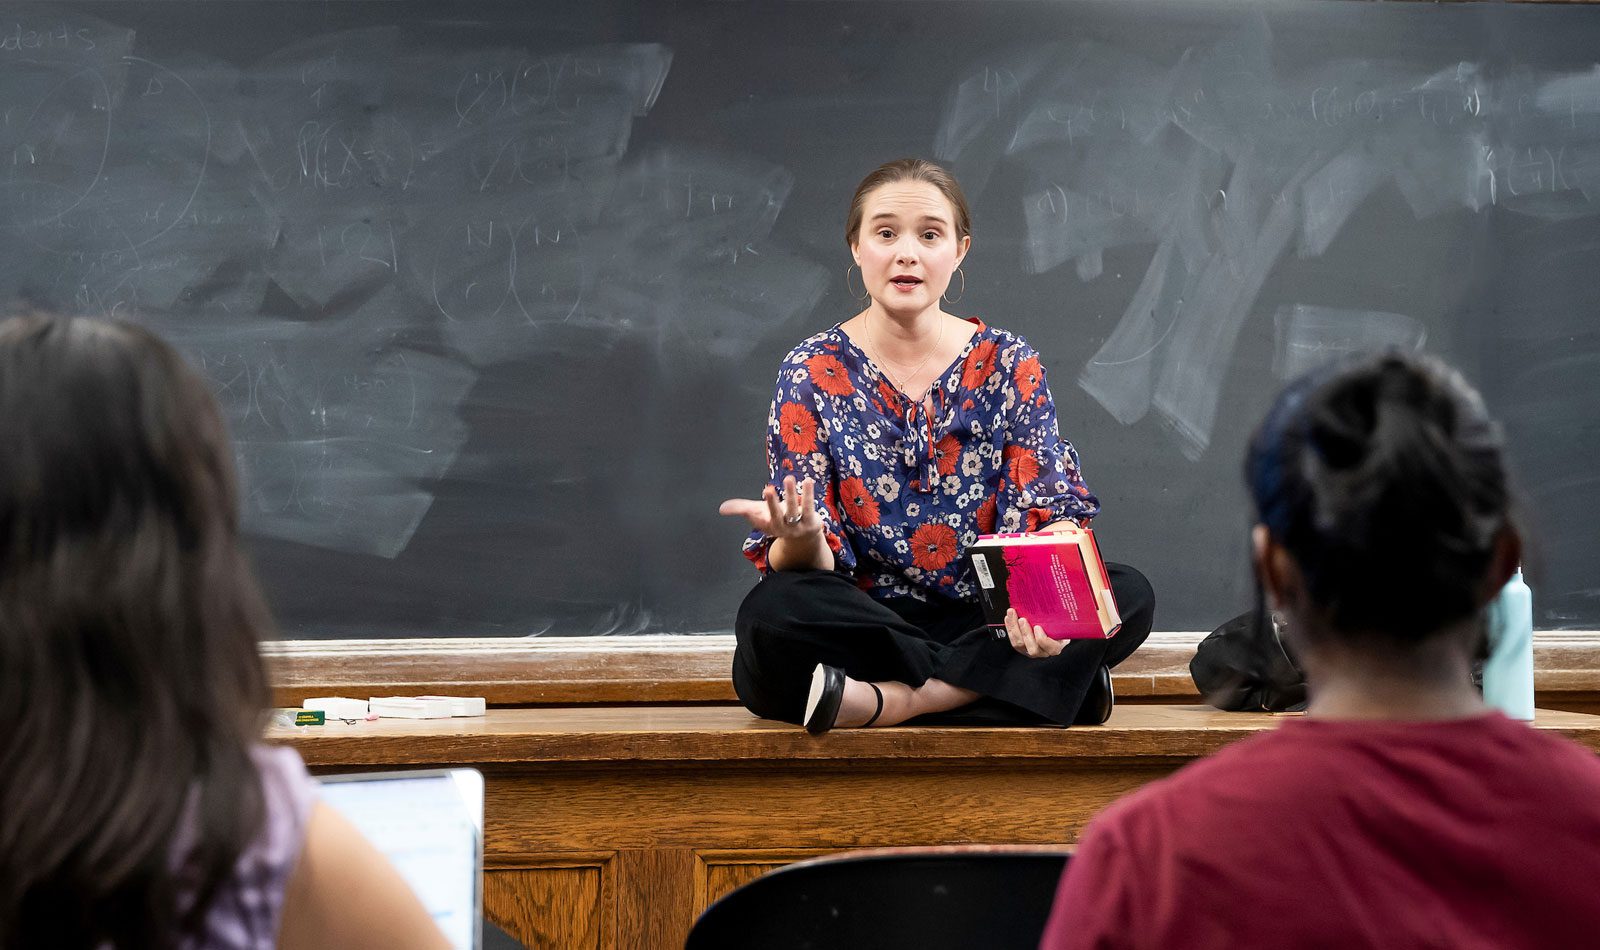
column 849, row 289
column 963, row 287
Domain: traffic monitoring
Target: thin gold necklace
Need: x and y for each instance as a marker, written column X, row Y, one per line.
column 884, row 362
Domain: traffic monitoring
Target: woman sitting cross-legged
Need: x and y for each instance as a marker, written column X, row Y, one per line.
column 1400, row 812
column 895, row 439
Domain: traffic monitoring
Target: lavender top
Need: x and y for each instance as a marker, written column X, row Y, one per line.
column 248, row 908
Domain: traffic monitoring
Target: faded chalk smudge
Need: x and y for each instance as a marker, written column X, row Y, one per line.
column 1223, row 161
column 410, row 218
column 1308, row 337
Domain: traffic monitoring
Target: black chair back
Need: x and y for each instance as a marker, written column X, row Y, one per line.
column 921, row 898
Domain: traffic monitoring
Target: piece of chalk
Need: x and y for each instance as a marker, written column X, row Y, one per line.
column 461, row 705
column 409, row 707
column 338, row 707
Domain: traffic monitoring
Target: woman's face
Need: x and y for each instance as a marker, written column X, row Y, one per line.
column 908, row 246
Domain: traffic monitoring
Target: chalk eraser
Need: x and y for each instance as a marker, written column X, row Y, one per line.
column 409, row 707
column 461, row 705
column 338, row 707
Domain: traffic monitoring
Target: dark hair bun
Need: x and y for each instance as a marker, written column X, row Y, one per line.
column 1384, row 479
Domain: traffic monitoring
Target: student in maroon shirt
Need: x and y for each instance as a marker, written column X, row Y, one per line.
column 1401, row 812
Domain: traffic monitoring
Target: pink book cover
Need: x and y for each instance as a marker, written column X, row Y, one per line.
column 1050, row 580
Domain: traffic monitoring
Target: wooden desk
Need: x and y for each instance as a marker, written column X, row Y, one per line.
column 614, row 827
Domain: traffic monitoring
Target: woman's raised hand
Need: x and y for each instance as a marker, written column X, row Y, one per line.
column 1028, row 638
column 792, row 515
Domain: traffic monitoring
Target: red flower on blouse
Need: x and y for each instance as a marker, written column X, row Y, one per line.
column 1022, row 465
column 890, row 397
column 933, row 546
column 948, row 451
column 859, row 504
column 797, row 427
column 980, row 363
column 1028, row 376
column 829, row 375
column 985, row 515
column 1039, row 517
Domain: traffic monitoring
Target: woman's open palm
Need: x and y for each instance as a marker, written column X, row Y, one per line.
column 791, row 514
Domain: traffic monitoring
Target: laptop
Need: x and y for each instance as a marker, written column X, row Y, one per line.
column 429, row 824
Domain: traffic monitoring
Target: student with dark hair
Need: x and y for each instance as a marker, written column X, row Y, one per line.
column 895, row 439
column 1400, row 812
column 138, row 807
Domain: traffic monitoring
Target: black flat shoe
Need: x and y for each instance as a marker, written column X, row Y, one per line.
column 822, row 705
column 1098, row 701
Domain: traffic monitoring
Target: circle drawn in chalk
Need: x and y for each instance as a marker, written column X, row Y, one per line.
column 149, row 153
column 56, row 150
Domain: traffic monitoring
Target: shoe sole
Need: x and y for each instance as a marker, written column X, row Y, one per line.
column 818, row 679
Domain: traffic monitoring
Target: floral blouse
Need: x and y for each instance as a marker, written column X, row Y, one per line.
column 904, row 491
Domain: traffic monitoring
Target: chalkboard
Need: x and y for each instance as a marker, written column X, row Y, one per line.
column 493, row 293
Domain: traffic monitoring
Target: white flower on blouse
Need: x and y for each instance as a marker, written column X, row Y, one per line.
column 913, row 509
column 968, row 537
column 887, row 486
column 849, row 443
column 1012, row 520
column 971, row 463
column 873, row 432
column 870, row 450
column 952, row 484
column 1011, row 400
column 859, row 402
column 901, row 547
column 855, row 466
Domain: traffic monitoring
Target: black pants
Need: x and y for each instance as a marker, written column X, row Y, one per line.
column 794, row 620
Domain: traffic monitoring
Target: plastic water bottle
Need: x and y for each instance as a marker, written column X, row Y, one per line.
column 1508, row 673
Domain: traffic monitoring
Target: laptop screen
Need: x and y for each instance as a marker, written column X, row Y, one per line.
column 430, row 826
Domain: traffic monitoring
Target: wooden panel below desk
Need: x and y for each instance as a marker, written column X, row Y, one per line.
column 719, row 872
column 553, row 901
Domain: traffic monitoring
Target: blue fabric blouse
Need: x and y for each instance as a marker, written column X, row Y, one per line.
column 905, row 492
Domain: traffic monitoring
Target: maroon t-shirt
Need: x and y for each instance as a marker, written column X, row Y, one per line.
column 1463, row 834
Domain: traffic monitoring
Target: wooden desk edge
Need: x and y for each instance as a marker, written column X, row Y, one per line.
column 1145, row 734
column 656, row 669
